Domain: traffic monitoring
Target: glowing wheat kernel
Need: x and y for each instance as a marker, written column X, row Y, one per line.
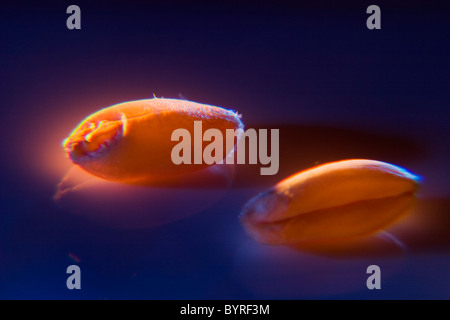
column 131, row 141
column 338, row 200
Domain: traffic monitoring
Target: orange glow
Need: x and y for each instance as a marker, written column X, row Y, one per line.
column 43, row 162
column 41, row 156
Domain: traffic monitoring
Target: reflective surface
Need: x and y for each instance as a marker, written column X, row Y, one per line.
column 334, row 89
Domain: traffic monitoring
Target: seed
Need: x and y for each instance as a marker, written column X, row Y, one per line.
column 131, row 141
column 339, row 200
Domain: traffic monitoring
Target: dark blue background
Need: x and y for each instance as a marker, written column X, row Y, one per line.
column 334, row 88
